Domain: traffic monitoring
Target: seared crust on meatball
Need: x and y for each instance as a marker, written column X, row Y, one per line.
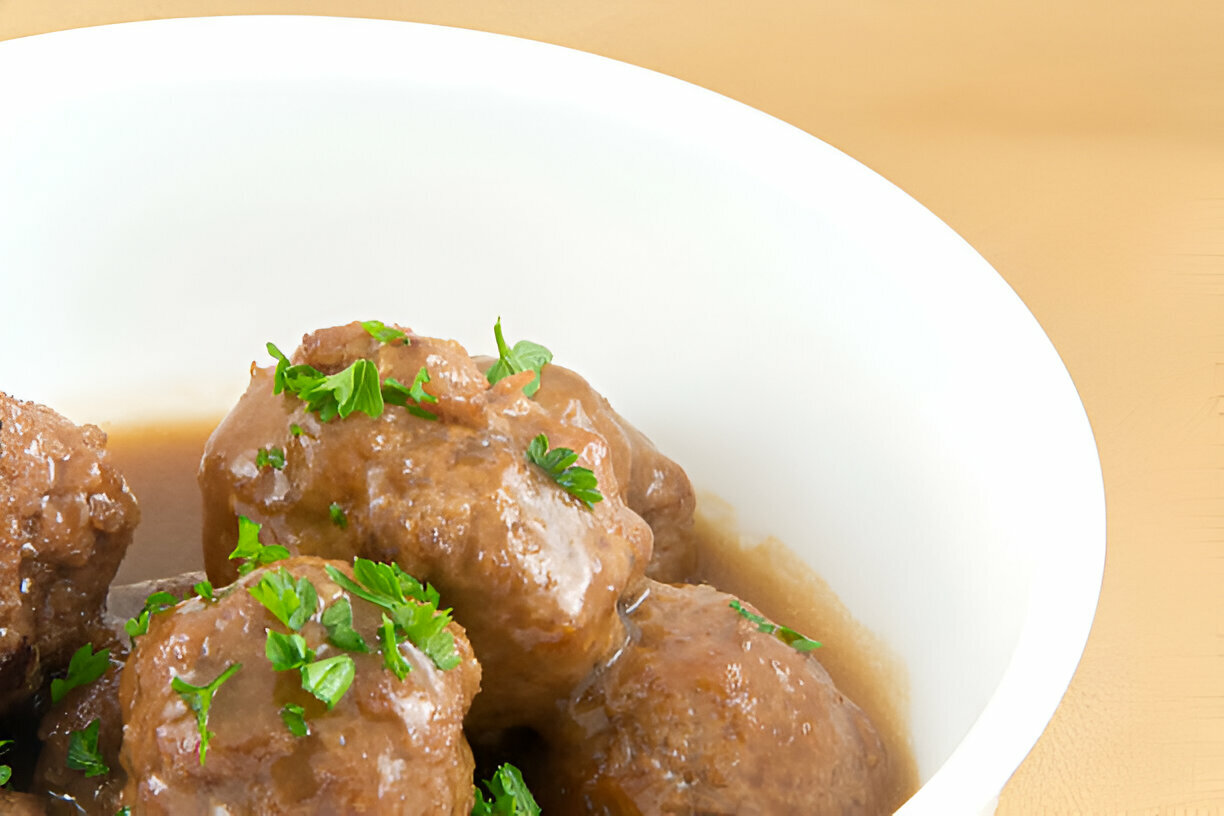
column 653, row 486
column 703, row 713
column 532, row 573
column 66, row 519
column 388, row 746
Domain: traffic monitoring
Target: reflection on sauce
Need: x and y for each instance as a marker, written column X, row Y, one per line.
column 160, row 463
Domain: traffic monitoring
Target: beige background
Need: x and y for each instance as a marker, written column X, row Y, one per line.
column 1079, row 146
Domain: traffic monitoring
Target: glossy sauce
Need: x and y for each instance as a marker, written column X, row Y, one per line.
column 160, row 464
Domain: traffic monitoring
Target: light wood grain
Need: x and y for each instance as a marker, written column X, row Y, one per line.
column 1080, row 147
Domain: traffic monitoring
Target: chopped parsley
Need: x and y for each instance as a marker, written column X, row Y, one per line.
column 294, row 718
column 295, row 429
column 337, row 619
column 199, row 700
column 84, row 667
column 338, row 516
column 291, row 600
column 783, row 633
column 558, row 463
column 126, row 810
column 6, row 772
column 204, row 590
column 411, row 606
column 425, row 626
column 410, row 397
column 393, row 658
column 329, row 679
column 156, row 602
column 270, row 457
column 510, row 795
column 287, row 652
column 385, row 585
column 382, row 332
column 83, row 753
column 355, row 388
column 251, row 551
column 525, row 356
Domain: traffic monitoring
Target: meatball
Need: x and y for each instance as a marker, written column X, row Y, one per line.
column 703, row 713
column 533, row 573
column 71, row 792
column 653, row 486
column 389, row 745
column 66, row 519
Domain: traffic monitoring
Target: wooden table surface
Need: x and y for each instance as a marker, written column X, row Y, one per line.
column 1079, row 146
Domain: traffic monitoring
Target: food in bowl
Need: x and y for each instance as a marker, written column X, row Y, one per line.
column 356, row 495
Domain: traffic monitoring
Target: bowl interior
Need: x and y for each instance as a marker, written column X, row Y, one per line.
column 814, row 346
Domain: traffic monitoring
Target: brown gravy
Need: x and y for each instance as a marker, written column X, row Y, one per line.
column 160, row 463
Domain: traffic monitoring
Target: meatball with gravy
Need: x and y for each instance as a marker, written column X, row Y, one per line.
column 701, row 712
column 447, row 492
column 290, row 729
column 70, row 792
column 653, row 486
column 66, row 519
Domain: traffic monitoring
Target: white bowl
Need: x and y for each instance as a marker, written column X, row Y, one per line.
column 808, row 341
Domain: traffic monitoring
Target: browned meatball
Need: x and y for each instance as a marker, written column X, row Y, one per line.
column 703, row 713
column 71, row 792
column 66, row 519
column 533, row 574
column 653, row 486
column 388, row 746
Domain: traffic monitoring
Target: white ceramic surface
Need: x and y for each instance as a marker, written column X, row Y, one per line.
column 808, row 341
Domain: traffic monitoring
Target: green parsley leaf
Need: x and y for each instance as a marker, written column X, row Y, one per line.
column 204, row 589
column 410, row 397
column 510, row 795
column 126, row 810
column 287, row 652
column 382, row 332
column 199, row 699
column 251, row 551
column 329, row 679
column 386, row 585
column 6, row 772
column 295, row 429
column 525, row 356
column 156, row 602
column 558, row 463
column 84, row 667
column 783, row 633
column 356, row 388
column 393, row 658
column 83, row 753
column 425, row 626
column 413, row 606
column 291, row 600
column 337, row 619
column 338, row 516
column 270, row 457
column 294, row 718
